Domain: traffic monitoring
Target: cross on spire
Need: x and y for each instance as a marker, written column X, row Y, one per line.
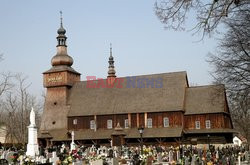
column 110, row 50
column 61, row 18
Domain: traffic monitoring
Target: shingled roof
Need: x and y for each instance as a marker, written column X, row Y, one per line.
column 85, row 101
column 205, row 99
column 88, row 134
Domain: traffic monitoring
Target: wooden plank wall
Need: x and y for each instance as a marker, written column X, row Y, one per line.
column 217, row 121
column 83, row 122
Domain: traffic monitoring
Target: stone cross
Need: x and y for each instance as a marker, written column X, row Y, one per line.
column 54, row 159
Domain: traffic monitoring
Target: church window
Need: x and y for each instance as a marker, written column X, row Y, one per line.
column 109, row 124
column 197, row 125
column 165, row 122
column 92, row 124
column 126, row 123
column 208, row 124
column 149, row 122
column 75, row 121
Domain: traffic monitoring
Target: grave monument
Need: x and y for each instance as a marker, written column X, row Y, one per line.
column 32, row 146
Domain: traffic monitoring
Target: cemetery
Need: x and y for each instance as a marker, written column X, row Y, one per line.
column 79, row 154
column 99, row 155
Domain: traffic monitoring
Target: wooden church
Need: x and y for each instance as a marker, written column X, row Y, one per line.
column 164, row 105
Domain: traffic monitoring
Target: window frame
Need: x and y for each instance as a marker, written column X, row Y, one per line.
column 197, row 124
column 109, row 124
column 208, row 123
column 164, row 123
column 126, row 123
column 75, row 121
column 92, row 124
column 149, row 120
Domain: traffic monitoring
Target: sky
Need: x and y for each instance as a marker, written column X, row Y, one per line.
column 140, row 43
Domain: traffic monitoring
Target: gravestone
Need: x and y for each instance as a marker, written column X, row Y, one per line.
column 97, row 162
column 114, row 161
column 186, row 160
column 246, row 156
column 171, row 156
column 193, row 162
column 54, row 159
column 178, row 156
column 3, row 162
column 9, row 156
column 77, row 163
column 110, row 153
column 159, row 157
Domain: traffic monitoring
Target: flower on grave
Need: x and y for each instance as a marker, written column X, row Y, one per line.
column 20, row 158
column 28, row 160
column 173, row 162
column 75, row 155
column 150, row 159
column 67, row 160
column 14, row 157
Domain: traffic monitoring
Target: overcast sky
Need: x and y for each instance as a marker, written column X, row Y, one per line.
column 141, row 45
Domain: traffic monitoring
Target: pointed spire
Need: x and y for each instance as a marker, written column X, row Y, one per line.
column 111, row 72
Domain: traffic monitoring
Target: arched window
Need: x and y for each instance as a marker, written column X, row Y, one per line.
column 165, row 122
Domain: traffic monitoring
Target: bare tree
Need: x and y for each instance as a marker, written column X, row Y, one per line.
column 232, row 67
column 209, row 13
column 5, row 85
column 17, row 106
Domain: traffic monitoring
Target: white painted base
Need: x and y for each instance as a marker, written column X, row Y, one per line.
column 32, row 146
column 72, row 146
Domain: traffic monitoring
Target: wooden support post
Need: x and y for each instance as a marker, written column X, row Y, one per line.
column 137, row 120
column 129, row 120
column 145, row 119
column 95, row 118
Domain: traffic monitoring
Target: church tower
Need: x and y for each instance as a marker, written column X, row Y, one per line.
column 111, row 69
column 58, row 80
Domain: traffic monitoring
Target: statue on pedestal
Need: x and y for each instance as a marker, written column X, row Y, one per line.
column 32, row 146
